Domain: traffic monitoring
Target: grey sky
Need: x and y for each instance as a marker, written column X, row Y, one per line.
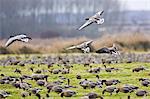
column 136, row 4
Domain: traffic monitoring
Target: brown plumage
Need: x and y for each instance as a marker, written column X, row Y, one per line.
column 57, row 89
column 110, row 82
column 141, row 93
column 93, row 95
column 41, row 82
column 138, row 69
column 109, row 89
column 78, row 76
column 17, row 71
column 65, row 71
column 67, row 93
column 25, row 94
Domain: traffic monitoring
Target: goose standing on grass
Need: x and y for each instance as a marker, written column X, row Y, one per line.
column 85, row 46
column 93, row 19
column 20, row 37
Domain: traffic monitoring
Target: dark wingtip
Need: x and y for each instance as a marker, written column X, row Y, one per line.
column 11, row 36
column 29, row 38
column 97, row 51
column 86, row 19
column 102, row 12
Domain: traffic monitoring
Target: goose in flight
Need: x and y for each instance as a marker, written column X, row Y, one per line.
column 93, row 19
column 20, row 37
column 111, row 50
column 85, row 46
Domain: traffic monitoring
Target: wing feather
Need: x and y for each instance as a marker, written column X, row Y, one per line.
column 72, row 47
column 10, row 41
column 87, row 23
column 21, row 37
column 98, row 14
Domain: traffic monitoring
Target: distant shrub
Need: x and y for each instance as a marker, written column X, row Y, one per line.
column 4, row 50
column 124, row 41
column 71, row 51
column 141, row 45
column 138, row 45
column 27, row 50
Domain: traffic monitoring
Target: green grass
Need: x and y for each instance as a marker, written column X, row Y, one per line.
column 125, row 75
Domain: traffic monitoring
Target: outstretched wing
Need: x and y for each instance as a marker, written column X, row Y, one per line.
column 84, row 44
column 101, row 12
column 89, row 42
column 10, row 41
column 87, row 23
column 21, row 37
column 72, row 47
column 98, row 14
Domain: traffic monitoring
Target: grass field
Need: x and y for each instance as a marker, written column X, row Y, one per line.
column 125, row 75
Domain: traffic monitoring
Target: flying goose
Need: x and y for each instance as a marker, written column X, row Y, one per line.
column 111, row 50
column 85, row 46
column 93, row 19
column 20, row 37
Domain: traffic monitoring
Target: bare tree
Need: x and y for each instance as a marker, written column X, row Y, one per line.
column 32, row 16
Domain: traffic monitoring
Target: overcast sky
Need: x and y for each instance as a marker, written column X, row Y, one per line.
column 136, row 4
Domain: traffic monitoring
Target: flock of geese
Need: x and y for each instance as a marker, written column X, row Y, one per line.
column 84, row 47
column 53, row 74
column 41, row 79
